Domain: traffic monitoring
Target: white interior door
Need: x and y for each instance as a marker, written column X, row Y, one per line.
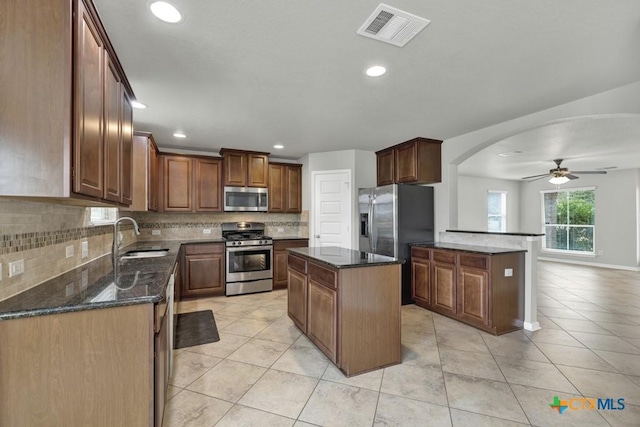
column 331, row 211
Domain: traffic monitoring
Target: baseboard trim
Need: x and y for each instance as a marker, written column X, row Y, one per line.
column 590, row 264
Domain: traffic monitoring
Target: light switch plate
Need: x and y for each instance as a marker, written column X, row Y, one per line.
column 69, row 251
column 508, row 272
column 85, row 249
column 155, row 232
column 206, row 231
column 16, row 267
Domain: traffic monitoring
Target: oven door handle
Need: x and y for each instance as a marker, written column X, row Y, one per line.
column 249, row 248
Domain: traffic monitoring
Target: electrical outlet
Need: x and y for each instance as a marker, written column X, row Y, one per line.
column 69, row 289
column 280, row 230
column 0, row 272
column 85, row 278
column 16, row 267
column 206, row 231
column 155, row 232
column 508, row 272
column 85, row 249
column 69, row 251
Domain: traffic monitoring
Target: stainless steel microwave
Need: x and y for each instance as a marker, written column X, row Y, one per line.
column 242, row 199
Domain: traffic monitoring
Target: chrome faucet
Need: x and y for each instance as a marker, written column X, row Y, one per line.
column 116, row 246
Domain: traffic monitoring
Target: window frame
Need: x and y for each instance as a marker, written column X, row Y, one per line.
column 107, row 216
column 503, row 194
column 544, row 225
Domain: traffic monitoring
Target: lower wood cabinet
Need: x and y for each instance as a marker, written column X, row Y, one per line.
column 203, row 269
column 351, row 314
column 280, row 276
column 485, row 290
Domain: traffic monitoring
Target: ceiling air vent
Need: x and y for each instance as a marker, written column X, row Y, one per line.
column 391, row 25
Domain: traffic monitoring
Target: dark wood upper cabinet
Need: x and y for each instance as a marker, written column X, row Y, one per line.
column 417, row 161
column 285, row 188
column 245, row 168
column 88, row 175
column 144, row 180
column 69, row 112
column 191, row 184
column 208, row 176
column 126, row 171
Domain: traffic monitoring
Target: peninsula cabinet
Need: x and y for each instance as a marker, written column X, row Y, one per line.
column 245, row 168
column 190, row 184
column 417, row 161
column 203, row 270
column 65, row 118
column 350, row 311
column 483, row 287
column 285, row 188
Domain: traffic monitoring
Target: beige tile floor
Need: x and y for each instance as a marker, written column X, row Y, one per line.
column 263, row 372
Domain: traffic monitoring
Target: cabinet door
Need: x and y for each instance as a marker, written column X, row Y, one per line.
column 385, row 165
column 420, row 281
column 204, row 275
column 112, row 131
column 176, row 181
column 208, row 185
column 280, row 268
column 297, row 298
column 406, row 162
column 126, row 170
column 235, row 169
column 323, row 313
column 88, row 147
column 277, row 191
column 257, row 170
column 473, row 295
column 293, row 187
column 444, row 287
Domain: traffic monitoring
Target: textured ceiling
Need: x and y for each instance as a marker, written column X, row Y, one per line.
column 251, row 74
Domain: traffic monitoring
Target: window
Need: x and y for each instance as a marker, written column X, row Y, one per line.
column 103, row 215
column 569, row 220
column 497, row 211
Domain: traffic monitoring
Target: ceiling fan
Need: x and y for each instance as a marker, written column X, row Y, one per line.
column 561, row 175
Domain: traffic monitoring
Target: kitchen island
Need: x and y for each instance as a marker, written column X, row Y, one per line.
column 347, row 303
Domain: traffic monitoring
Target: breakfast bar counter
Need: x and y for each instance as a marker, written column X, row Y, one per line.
column 347, row 303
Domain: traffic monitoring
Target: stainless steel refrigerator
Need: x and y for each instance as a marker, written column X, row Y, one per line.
column 393, row 216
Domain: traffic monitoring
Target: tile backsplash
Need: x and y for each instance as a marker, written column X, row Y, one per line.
column 39, row 234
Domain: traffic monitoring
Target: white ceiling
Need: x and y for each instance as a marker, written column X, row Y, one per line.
column 251, row 74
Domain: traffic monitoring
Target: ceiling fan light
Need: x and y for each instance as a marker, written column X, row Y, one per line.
column 557, row 180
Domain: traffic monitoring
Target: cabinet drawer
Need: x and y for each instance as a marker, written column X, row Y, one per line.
column 444, row 256
column 284, row 244
column 212, row 248
column 323, row 275
column 297, row 263
column 422, row 253
column 474, row 261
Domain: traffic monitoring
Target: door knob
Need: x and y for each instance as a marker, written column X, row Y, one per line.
column 317, row 236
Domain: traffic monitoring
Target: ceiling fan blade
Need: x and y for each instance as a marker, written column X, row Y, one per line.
column 536, row 176
column 591, row 172
column 570, row 176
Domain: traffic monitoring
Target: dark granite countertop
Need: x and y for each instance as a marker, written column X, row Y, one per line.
column 344, row 258
column 94, row 285
column 485, row 250
column 200, row 241
column 276, row 238
column 496, row 232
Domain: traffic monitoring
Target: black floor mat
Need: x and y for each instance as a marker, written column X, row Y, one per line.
column 196, row 328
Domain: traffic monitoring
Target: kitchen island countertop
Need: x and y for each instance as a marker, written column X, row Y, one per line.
column 476, row 249
column 344, row 258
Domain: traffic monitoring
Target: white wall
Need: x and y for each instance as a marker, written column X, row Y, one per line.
column 472, row 202
column 615, row 218
column 455, row 150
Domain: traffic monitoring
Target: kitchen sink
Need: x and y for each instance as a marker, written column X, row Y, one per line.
column 145, row 253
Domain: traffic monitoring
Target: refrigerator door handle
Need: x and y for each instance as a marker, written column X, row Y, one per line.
column 370, row 225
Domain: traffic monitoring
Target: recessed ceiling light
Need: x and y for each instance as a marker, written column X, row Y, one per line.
column 278, row 146
column 179, row 135
column 376, row 71
column 166, row 12
column 510, row 153
column 139, row 105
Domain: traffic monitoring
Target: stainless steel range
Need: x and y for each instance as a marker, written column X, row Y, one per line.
column 249, row 255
